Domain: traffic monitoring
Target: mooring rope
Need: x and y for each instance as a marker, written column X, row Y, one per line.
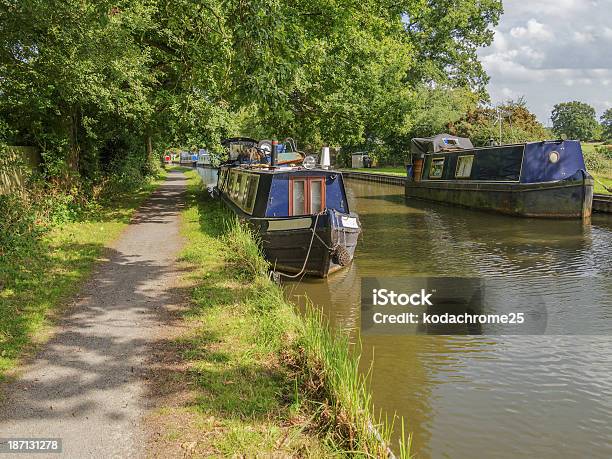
column 609, row 190
column 314, row 233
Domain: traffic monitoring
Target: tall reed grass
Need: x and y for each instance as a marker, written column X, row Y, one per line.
column 326, row 370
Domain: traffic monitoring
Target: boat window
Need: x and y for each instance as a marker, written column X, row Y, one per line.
column 298, row 197
column 464, row 166
column 316, row 196
column 244, row 181
column 307, row 195
column 226, row 181
column 437, row 166
column 232, row 184
column 236, row 189
column 223, row 180
column 251, row 194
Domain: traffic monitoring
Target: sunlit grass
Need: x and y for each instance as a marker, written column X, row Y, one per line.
column 603, row 181
column 391, row 170
column 52, row 270
column 275, row 382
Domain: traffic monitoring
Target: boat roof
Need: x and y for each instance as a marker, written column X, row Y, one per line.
column 429, row 145
column 440, row 142
column 283, row 170
column 242, row 140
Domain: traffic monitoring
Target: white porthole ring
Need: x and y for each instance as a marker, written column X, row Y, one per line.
column 554, row 157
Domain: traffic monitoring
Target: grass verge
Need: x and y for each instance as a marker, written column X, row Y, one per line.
column 265, row 380
column 396, row 170
column 600, row 181
column 53, row 270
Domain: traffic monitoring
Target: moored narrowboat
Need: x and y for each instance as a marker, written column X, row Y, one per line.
column 188, row 159
column 536, row 179
column 299, row 211
column 204, row 158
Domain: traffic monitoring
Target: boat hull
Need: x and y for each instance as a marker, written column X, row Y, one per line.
column 289, row 245
column 569, row 198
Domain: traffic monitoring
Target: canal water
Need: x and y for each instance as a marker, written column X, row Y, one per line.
column 482, row 396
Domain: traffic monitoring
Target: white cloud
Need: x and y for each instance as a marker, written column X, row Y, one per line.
column 552, row 51
column 509, row 93
column 534, row 31
column 583, row 37
column 548, row 8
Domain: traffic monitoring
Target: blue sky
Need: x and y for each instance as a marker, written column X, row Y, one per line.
column 552, row 51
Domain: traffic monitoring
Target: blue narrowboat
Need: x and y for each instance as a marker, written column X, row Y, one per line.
column 298, row 209
column 534, row 179
column 188, row 159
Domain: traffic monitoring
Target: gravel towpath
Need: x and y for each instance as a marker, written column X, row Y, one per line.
column 87, row 385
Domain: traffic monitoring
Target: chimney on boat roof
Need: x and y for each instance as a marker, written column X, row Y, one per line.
column 273, row 153
column 325, row 159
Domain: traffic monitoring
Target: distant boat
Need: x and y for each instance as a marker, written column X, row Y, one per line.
column 204, row 158
column 299, row 210
column 188, row 159
column 535, row 179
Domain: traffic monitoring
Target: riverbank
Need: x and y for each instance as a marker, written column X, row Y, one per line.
column 52, row 270
column 261, row 378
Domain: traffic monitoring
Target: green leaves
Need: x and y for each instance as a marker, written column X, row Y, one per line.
column 606, row 123
column 77, row 76
column 575, row 120
column 518, row 124
column 446, row 35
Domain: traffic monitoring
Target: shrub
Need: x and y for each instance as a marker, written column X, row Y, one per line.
column 594, row 160
column 604, row 150
column 128, row 173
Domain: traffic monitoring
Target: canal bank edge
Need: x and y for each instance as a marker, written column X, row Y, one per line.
column 261, row 378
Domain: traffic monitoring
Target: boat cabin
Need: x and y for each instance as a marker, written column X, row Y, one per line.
column 446, row 158
column 283, row 192
column 536, row 179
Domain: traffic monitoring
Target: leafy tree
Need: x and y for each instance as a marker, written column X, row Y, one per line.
column 518, row 124
column 438, row 109
column 606, row 123
column 446, row 35
column 327, row 68
column 361, row 68
column 576, row 120
column 70, row 77
column 89, row 82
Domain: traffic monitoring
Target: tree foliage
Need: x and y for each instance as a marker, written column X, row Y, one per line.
column 606, row 123
column 516, row 123
column 92, row 81
column 446, row 35
column 575, row 120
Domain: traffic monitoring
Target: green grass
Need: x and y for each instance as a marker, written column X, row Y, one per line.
column 52, row 271
column 589, row 147
column 600, row 181
column 602, row 176
column 274, row 382
column 171, row 167
column 395, row 170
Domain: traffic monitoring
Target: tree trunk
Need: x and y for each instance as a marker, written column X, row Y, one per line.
column 74, row 148
column 149, row 143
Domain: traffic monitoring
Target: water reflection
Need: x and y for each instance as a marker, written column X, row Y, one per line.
column 208, row 175
column 502, row 396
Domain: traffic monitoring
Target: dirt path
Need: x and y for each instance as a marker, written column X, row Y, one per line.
column 87, row 386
